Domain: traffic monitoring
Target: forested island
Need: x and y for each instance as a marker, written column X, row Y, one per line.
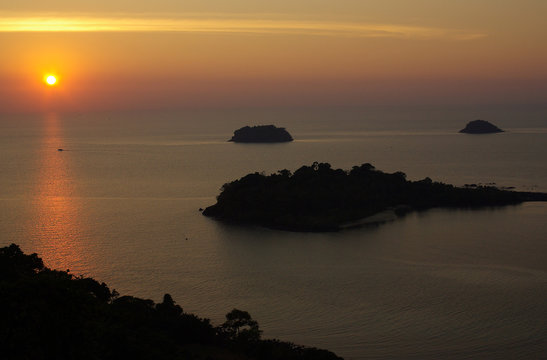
column 52, row 314
column 480, row 127
column 320, row 198
column 261, row 134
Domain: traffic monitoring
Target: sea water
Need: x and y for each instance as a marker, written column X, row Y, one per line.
column 120, row 204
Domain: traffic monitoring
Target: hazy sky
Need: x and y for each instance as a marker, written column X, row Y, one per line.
column 117, row 54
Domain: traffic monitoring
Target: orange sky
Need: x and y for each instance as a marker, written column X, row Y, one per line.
column 113, row 55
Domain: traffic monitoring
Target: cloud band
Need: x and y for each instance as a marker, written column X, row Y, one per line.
column 228, row 26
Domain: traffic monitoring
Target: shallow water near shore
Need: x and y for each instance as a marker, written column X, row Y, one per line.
column 121, row 204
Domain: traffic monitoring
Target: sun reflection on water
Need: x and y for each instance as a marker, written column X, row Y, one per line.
column 56, row 228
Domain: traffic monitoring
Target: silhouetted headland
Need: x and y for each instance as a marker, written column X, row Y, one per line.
column 319, row 198
column 51, row 314
column 261, row 134
column 480, row 127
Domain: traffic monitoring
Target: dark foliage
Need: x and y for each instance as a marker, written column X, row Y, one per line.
column 240, row 327
column 319, row 198
column 261, row 134
column 48, row 314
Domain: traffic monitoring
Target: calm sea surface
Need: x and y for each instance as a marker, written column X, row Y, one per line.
column 121, row 204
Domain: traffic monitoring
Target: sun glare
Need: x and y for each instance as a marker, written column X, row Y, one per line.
column 51, row 80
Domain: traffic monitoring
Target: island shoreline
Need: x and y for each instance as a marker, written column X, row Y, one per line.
column 320, row 199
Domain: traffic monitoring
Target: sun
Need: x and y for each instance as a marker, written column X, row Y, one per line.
column 50, row 80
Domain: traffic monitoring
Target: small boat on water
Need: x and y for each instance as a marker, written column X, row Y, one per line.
column 60, row 149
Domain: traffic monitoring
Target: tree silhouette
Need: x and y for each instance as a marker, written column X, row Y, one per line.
column 239, row 326
column 168, row 308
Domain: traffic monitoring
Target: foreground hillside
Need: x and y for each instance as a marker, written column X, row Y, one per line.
column 319, row 198
column 50, row 314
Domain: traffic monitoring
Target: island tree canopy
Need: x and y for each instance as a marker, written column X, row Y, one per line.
column 320, row 198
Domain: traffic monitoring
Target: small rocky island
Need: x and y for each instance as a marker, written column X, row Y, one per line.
column 261, row 134
column 480, row 127
column 319, row 198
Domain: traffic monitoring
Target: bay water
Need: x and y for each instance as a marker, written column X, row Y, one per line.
column 120, row 204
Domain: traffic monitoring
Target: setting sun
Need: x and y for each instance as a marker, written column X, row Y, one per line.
column 51, row 80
